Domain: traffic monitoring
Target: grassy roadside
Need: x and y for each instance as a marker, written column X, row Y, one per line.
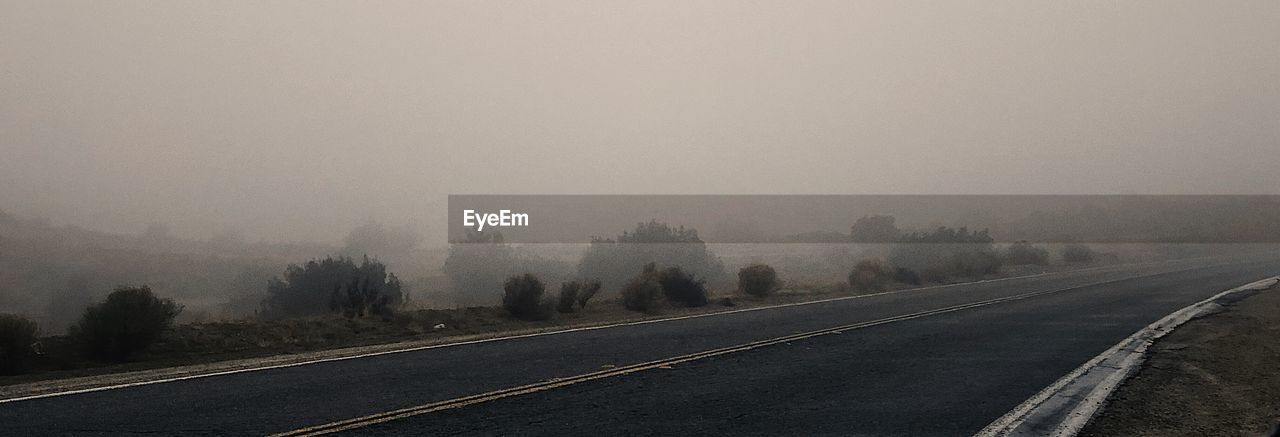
column 1217, row 375
column 321, row 337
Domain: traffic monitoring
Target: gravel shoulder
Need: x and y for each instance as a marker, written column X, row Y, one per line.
column 1216, row 375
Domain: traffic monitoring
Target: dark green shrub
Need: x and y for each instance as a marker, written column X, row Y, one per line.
column 522, row 298
column 870, row 275
column 128, row 322
column 587, row 291
column 17, row 343
column 1023, row 253
column 757, row 280
column 366, row 295
column 1077, row 254
column 681, row 287
column 643, row 292
column 568, row 296
column 333, row 285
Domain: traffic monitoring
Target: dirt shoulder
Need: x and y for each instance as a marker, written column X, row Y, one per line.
column 1216, row 375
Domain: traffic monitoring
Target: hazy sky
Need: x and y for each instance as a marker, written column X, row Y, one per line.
column 299, row 120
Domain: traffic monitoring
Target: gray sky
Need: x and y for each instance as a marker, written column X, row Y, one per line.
column 298, row 120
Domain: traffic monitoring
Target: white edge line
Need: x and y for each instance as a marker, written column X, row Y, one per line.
column 537, row 334
column 1083, row 412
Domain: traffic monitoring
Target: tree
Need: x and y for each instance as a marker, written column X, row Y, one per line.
column 875, row 229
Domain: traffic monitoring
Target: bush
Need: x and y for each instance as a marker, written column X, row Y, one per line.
column 757, row 280
column 587, row 291
column 568, row 296
column 129, row 321
column 17, row 343
column 522, row 298
column 905, row 275
column 681, row 287
column 366, row 296
column 1077, row 253
column 615, row 260
column 643, row 292
column 946, row 252
column 479, row 264
column 1023, row 253
column 870, row 275
column 333, row 285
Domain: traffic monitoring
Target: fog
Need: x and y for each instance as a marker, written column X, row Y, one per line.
column 298, row 121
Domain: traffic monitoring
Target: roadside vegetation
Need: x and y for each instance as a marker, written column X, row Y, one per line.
column 17, row 343
column 615, row 261
column 522, row 298
column 1077, row 254
column 128, row 322
column 337, row 301
column 336, row 285
column 758, row 280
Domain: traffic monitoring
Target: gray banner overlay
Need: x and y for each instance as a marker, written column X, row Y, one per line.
column 832, row 218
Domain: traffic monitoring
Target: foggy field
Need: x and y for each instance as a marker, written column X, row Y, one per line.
column 575, row 217
column 223, row 286
column 49, row 272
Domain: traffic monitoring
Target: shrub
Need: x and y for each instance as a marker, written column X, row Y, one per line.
column 643, row 292
column 333, row 285
column 480, row 263
column 905, row 275
column 522, row 298
column 615, row 260
column 1077, row 253
column 587, row 291
column 366, row 295
column 757, row 280
column 17, row 343
column 946, row 253
column 568, row 296
column 1023, row 253
column 129, row 321
column 870, row 275
column 681, row 287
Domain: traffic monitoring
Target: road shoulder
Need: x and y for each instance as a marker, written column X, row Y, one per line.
column 1215, row 375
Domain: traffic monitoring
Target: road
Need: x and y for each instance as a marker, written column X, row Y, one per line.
column 931, row 372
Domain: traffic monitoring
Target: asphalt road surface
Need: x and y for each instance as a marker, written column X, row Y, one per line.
column 930, row 373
